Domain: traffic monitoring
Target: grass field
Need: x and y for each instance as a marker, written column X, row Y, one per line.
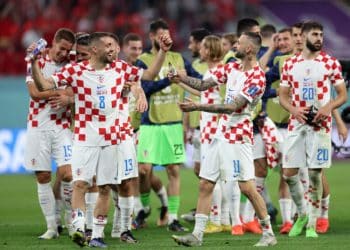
column 21, row 220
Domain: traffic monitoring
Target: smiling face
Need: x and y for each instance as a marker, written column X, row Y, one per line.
column 285, row 42
column 106, row 49
column 60, row 50
column 132, row 50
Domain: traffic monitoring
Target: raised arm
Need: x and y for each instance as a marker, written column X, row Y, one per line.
column 40, row 81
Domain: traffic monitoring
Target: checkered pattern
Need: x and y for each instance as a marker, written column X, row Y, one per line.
column 41, row 115
column 101, row 112
column 237, row 127
column 316, row 75
column 209, row 121
column 269, row 134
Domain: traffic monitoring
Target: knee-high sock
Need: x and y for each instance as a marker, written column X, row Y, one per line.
column 226, row 195
column 215, row 209
column 234, row 203
column 126, row 205
column 315, row 196
column 199, row 226
column 47, row 204
column 286, row 210
column 296, row 191
column 66, row 194
column 90, row 200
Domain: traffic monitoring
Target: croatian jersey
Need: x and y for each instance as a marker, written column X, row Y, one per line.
column 209, row 121
column 237, row 127
column 310, row 82
column 98, row 100
column 41, row 116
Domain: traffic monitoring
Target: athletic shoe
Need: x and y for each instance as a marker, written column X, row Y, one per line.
column 79, row 238
column 60, row 229
column 175, row 226
column 140, row 220
column 298, row 226
column 163, row 216
column 48, row 235
column 311, row 233
column 190, row 216
column 97, row 242
column 237, row 230
column 225, row 228
column 188, row 240
column 212, row 228
column 127, row 237
column 286, row 227
column 266, row 240
column 252, row 227
column 322, row 225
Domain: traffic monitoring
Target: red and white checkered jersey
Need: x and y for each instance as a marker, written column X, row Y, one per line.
column 310, row 82
column 41, row 116
column 99, row 101
column 237, row 127
column 209, row 121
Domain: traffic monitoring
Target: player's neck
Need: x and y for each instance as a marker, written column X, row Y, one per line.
column 248, row 62
column 212, row 64
column 309, row 55
column 97, row 64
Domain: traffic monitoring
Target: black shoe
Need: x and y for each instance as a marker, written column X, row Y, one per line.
column 175, row 226
column 88, row 234
column 60, row 229
column 97, row 242
column 127, row 237
column 79, row 238
column 140, row 220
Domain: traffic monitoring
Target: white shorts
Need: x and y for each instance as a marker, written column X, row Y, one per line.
column 283, row 132
column 196, row 142
column 258, row 147
column 42, row 146
column 226, row 161
column 307, row 148
column 111, row 164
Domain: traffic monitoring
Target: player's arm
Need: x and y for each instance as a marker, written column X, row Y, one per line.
column 37, row 95
column 238, row 102
column 340, row 99
column 165, row 45
column 342, row 129
column 298, row 112
column 195, row 83
column 42, row 83
column 139, row 94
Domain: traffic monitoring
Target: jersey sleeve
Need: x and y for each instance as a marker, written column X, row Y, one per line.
column 285, row 75
column 254, row 87
column 65, row 76
column 133, row 73
column 336, row 76
column 219, row 74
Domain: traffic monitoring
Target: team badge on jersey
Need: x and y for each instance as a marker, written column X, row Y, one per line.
column 100, row 78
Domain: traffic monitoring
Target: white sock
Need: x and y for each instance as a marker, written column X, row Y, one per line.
column 58, row 205
column 324, row 207
column 199, row 226
column 296, row 191
column 304, row 178
column 266, row 225
column 126, row 205
column 249, row 212
column 215, row 209
column 171, row 218
column 137, row 205
column 116, row 219
column 235, row 204
column 66, row 194
column 315, row 196
column 78, row 220
column 286, row 210
column 99, row 224
column 226, row 194
column 47, row 204
column 90, row 200
column 163, row 196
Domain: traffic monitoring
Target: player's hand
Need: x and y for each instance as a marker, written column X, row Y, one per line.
column 300, row 114
column 165, row 41
column 323, row 113
column 188, row 105
column 141, row 103
column 342, row 132
column 60, row 100
column 178, row 76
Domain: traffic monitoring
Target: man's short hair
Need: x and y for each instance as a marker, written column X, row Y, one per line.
column 158, row 24
column 82, row 38
column 254, row 38
column 199, row 34
column 65, row 34
column 131, row 37
column 245, row 25
column 267, row 30
column 231, row 37
column 298, row 25
column 96, row 36
column 287, row 29
column 310, row 25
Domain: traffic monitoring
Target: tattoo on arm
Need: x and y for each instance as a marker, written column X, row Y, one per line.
column 198, row 84
column 228, row 108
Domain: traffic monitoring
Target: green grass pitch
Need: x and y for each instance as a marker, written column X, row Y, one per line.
column 21, row 220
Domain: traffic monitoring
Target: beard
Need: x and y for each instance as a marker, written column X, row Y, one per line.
column 240, row 55
column 313, row 47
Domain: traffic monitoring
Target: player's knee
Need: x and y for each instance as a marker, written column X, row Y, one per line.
column 206, row 186
column 291, row 180
column 315, row 176
column 104, row 190
column 80, row 186
column 43, row 177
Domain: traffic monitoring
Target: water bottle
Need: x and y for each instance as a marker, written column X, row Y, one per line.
column 171, row 70
column 40, row 45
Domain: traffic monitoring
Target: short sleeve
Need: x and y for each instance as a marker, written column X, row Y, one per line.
column 336, row 75
column 219, row 75
column 65, row 76
column 285, row 75
column 133, row 73
column 254, row 86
